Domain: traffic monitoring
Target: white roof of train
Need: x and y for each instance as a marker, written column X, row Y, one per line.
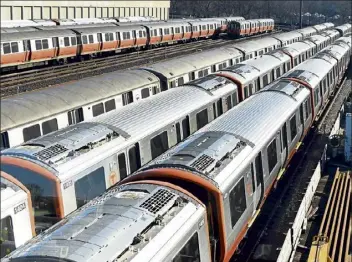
column 254, row 45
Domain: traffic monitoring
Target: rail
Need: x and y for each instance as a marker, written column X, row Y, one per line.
column 333, row 243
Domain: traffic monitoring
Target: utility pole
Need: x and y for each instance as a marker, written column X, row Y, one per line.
column 300, row 13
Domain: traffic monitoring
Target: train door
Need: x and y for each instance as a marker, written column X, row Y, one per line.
column 259, row 175
column 27, row 49
column 100, row 41
column 56, row 46
column 134, row 36
column 284, row 148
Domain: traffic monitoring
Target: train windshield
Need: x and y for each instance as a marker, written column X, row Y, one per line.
column 42, row 190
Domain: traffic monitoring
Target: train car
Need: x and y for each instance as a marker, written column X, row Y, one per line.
column 30, row 115
column 256, row 48
column 300, row 51
column 333, row 34
column 77, row 163
column 344, row 29
column 288, row 38
column 252, row 75
column 239, row 29
column 178, row 71
column 40, row 47
column 307, row 31
column 228, row 167
column 17, row 220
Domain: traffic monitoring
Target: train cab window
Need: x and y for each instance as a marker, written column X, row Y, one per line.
column 159, row 144
column 122, row 165
column 278, row 73
column 296, row 61
column 110, row 105
column 90, row 186
column 293, row 127
column 185, row 127
column 66, row 41
column 272, row 155
column 4, row 140
column 75, row 116
column 202, row 118
column 237, row 198
column 190, row 251
column 180, row 81
column 144, row 34
column 7, row 236
column 45, row 44
column 219, row 107
column 145, row 92
column 134, row 158
column 178, row 132
column 91, row 40
column 14, row 47
column 250, row 89
column 228, row 102
column 98, row 109
column 73, row 40
column 265, row 80
column 84, row 39
column 31, row 132
column 49, row 126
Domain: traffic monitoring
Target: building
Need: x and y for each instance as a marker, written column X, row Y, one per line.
column 20, row 10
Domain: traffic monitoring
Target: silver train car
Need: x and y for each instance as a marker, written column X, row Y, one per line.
column 221, row 175
column 75, row 164
column 17, row 220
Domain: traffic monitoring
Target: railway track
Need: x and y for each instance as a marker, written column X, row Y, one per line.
column 19, row 82
column 266, row 236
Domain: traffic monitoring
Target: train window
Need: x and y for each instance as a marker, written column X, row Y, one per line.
column 190, row 251
column 246, row 92
column 14, row 47
column 66, row 41
column 191, row 76
column 206, row 72
column 265, row 80
column 110, row 105
column 195, row 28
column 272, row 75
column 90, row 186
column 140, row 33
column 160, row 31
column 49, row 126
column 293, row 127
column 237, row 200
column 202, row 118
column 155, row 32
column 38, row 45
column 258, row 83
column 309, row 106
column 288, row 66
column 180, row 81
column 45, row 44
column 127, row 98
column 234, row 99
column 134, row 158
column 7, row 236
column 73, row 40
column 98, row 109
column 259, row 168
column 75, row 116
column 107, row 37
column 151, row 33
column 272, row 155
column 213, row 68
column 250, row 89
column 185, row 127
column 144, row 34
column 219, row 107
column 84, row 39
column 91, row 40
column 4, row 142
column 178, row 132
column 172, row 84
column 145, row 92
column 6, row 48
column 122, row 165
column 229, row 102
column 31, row 132
column 306, row 110
column 278, row 73
column 200, row 74
column 159, row 144
column 296, row 61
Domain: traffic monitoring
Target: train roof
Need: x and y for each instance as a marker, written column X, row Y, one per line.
column 287, row 36
column 335, row 50
column 250, row 70
column 343, row 27
column 105, row 28
column 27, row 107
column 18, row 29
column 19, row 36
column 317, row 39
column 297, row 48
column 117, row 129
column 166, row 25
column 330, row 33
column 254, row 45
column 185, row 64
column 235, row 134
column 307, row 31
column 125, row 223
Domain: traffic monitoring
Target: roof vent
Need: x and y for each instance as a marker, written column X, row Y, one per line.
column 155, row 203
column 50, row 152
column 202, row 162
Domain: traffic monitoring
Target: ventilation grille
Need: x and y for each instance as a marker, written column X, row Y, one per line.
column 50, row 152
column 202, row 162
column 157, row 201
